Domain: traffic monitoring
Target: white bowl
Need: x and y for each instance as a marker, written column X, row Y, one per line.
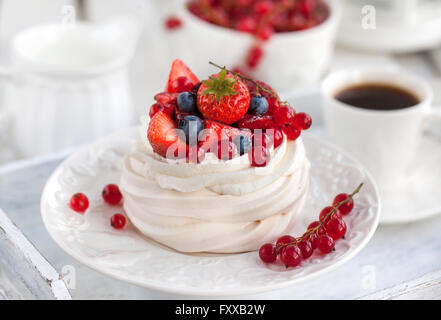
column 291, row 59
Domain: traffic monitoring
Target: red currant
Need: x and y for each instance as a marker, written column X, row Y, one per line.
column 79, row 202
column 285, row 240
column 302, row 121
column 313, row 224
column 155, row 109
column 284, row 116
column 268, row 253
column 278, row 137
column 336, row 228
column 118, row 221
column 247, row 24
column 312, row 237
column 306, row 248
column 326, row 211
column 259, row 156
column 265, row 33
column 181, row 84
column 254, row 56
column 290, row 255
column 292, row 133
column 264, row 6
column 111, row 194
column 325, row 243
column 173, row 23
column 346, row 207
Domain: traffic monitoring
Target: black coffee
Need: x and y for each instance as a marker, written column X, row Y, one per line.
column 377, row 97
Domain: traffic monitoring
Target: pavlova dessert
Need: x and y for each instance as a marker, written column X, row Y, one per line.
column 219, row 165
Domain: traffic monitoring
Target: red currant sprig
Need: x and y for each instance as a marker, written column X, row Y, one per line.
column 321, row 234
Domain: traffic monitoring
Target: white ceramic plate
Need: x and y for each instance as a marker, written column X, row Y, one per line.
column 127, row 255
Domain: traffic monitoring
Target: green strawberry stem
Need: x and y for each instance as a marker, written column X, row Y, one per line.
column 220, row 86
column 258, row 86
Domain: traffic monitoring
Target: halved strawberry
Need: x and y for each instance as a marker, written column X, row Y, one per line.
column 219, row 131
column 179, row 69
column 162, row 136
column 251, row 121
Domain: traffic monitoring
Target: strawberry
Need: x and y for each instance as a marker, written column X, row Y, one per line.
column 179, row 69
column 224, row 98
column 162, row 136
column 215, row 132
column 251, row 121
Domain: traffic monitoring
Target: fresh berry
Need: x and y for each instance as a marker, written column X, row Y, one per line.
column 252, row 122
column 226, row 150
column 216, row 131
column 262, row 139
column 265, row 33
column 291, row 256
column 268, row 253
column 312, row 237
column 283, row 240
column 284, row 116
column 269, row 93
column 79, row 202
column 155, row 108
column 243, row 144
column 111, row 194
column 291, row 132
column 278, row 137
column 344, row 208
column 192, row 126
column 302, row 121
column 259, row 156
column 325, row 243
column 326, row 213
column 264, row 6
column 181, row 84
column 223, row 98
column 258, row 105
column 196, row 154
column 335, row 228
column 165, row 98
column 172, row 23
column 313, row 225
column 306, row 248
column 179, row 69
column 247, row 24
column 118, row 221
column 164, row 138
column 255, row 55
column 187, row 102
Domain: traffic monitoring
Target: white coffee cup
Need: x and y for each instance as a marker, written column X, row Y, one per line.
column 384, row 140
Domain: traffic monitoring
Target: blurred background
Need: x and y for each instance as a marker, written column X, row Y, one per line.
column 73, row 71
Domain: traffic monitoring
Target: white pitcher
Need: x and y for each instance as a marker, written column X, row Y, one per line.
column 68, row 84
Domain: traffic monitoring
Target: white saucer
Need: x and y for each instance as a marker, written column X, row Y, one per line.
column 128, row 256
column 419, row 194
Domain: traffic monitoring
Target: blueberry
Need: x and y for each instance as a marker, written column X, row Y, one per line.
column 243, row 144
column 187, row 102
column 258, row 105
column 192, row 126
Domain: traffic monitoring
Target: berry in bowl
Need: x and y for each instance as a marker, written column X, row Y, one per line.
column 219, row 165
column 285, row 43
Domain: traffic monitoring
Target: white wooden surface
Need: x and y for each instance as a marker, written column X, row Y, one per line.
column 401, row 261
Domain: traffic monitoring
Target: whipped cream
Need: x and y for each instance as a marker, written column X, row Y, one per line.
column 214, row 206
